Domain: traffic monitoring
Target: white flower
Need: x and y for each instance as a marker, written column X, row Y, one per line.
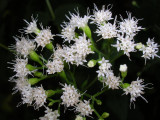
column 136, row 89
column 58, row 53
column 20, row 67
column 84, row 108
column 77, row 53
column 70, row 96
column 123, row 68
column 129, row 26
column 78, row 21
column 79, row 118
column 27, row 94
column 104, row 67
column 101, row 16
column 107, row 30
column 39, row 97
column 20, row 84
column 150, row 50
column 50, row 115
column 43, row 37
column 111, row 81
column 126, row 44
column 32, row 26
column 24, row 46
column 55, row 66
column 68, row 32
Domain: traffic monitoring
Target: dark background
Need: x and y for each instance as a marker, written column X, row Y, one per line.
column 12, row 13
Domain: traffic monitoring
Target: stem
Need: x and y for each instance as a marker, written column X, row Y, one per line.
column 6, row 48
column 50, row 9
column 90, row 85
column 116, row 57
column 63, row 75
column 98, row 115
column 99, row 93
column 43, row 59
column 73, row 78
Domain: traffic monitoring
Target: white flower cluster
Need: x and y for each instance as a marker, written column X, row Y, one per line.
column 24, row 46
column 150, row 50
column 71, row 97
column 50, row 115
column 135, row 89
column 77, row 53
column 107, row 74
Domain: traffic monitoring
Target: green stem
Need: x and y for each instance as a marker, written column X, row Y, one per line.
column 90, row 85
column 98, row 115
column 50, row 9
column 116, row 57
column 63, row 75
column 99, row 93
column 6, row 48
column 73, row 78
column 43, row 59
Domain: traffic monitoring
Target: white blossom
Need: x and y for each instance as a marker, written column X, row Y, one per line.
column 129, row 26
column 32, row 26
column 126, row 44
column 55, row 66
column 123, row 68
column 84, row 108
column 24, row 46
column 101, row 16
column 136, row 89
column 77, row 53
column 150, row 50
column 68, row 32
column 104, row 67
column 43, row 37
column 20, row 67
column 78, row 21
column 50, row 115
column 70, row 95
column 107, row 30
column 78, row 117
column 39, row 97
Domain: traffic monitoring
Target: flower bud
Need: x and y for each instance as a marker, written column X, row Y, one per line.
column 38, row 74
column 30, row 67
column 50, row 93
column 139, row 46
column 125, row 85
column 50, row 46
column 105, row 115
column 35, row 57
column 87, row 31
column 123, row 68
column 92, row 63
column 99, row 102
column 78, row 117
column 33, row 81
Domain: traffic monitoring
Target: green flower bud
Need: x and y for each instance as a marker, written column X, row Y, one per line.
column 99, row 102
column 92, row 63
column 30, row 67
column 35, row 57
column 50, row 46
column 87, row 31
column 38, row 74
column 105, row 115
column 37, row 31
column 33, row 81
column 100, row 78
column 139, row 46
column 125, row 85
column 50, row 93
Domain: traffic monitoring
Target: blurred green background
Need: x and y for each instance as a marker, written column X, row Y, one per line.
column 12, row 13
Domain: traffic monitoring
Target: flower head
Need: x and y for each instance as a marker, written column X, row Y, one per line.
column 32, row 26
column 150, row 50
column 39, row 96
column 129, row 26
column 43, row 37
column 24, row 46
column 20, row 67
column 50, row 115
column 123, row 68
column 107, row 30
column 101, row 16
column 70, row 95
column 84, row 108
column 136, row 89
